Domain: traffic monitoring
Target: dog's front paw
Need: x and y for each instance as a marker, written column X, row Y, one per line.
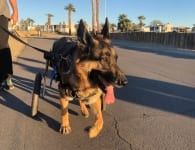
column 93, row 132
column 65, row 129
column 96, row 128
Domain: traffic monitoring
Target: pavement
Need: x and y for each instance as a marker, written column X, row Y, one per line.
column 155, row 111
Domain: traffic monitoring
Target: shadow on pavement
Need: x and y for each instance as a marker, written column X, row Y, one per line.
column 16, row 104
column 8, row 99
column 32, row 60
column 11, row 101
column 160, row 95
column 31, row 69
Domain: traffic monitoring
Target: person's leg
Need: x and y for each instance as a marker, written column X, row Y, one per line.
column 3, row 35
column 6, row 69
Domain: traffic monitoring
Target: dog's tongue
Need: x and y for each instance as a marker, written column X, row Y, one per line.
column 109, row 97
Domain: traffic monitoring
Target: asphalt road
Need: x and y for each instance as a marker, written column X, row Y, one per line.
column 156, row 111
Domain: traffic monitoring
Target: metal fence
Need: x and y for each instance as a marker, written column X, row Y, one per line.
column 173, row 39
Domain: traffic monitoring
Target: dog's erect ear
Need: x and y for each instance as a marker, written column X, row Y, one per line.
column 83, row 34
column 105, row 31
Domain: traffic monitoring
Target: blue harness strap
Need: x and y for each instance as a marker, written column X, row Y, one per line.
column 53, row 75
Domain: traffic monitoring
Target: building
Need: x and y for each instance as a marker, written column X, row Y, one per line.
column 157, row 28
column 145, row 29
column 181, row 29
column 162, row 28
column 168, row 28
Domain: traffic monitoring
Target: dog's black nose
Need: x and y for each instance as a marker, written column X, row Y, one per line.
column 121, row 82
column 125, row 82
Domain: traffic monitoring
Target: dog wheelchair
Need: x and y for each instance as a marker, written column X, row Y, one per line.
column 40, row 85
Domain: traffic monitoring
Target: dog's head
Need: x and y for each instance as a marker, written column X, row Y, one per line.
column 100, row 49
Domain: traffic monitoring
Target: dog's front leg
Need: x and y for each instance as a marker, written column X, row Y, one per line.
column 84, row 109
column 98, row 124
column 65, row 125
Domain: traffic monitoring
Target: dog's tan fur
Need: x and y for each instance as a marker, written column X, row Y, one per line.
column 89, row 54
column 84, row 90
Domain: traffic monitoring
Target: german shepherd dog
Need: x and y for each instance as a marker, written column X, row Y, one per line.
column 84, row 68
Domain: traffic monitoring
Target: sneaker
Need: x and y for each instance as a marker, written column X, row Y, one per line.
column 8, row 83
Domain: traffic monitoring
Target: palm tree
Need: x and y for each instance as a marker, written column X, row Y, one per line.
column 30, row 21
column 70, row 8
column 124, row 24
column 141, row 18
column 93, row 16
column 49, row 19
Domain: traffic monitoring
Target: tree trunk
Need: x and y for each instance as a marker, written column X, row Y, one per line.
column 93, row 16
column 97, row 15
column 49, row 20
column 69, row 22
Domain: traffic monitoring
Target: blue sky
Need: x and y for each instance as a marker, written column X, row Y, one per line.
column 176, row 12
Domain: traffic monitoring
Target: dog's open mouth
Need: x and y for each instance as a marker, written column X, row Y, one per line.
column 105, row 82
column 109, row 97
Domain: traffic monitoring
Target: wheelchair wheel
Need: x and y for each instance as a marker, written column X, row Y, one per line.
column 36, row 94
